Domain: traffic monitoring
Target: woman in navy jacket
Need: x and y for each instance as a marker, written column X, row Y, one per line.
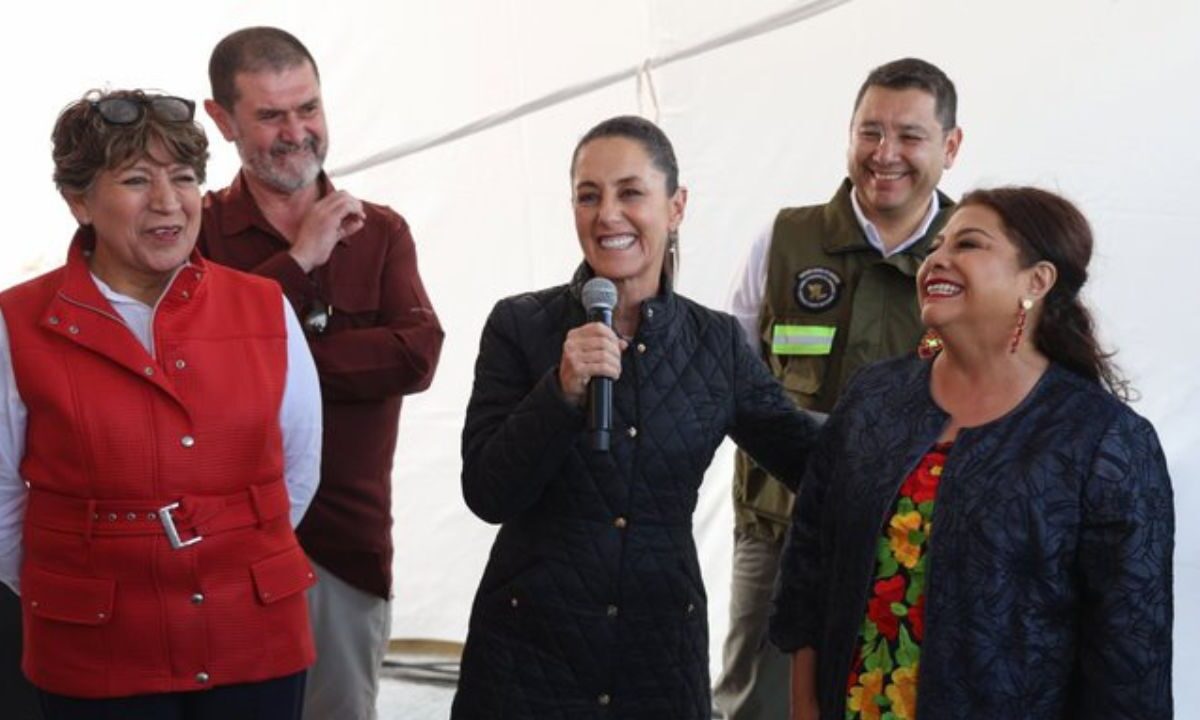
column 986, row 531
column 592, row 604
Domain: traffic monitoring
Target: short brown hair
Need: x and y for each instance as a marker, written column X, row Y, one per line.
column 85, row 144
column 251, row 50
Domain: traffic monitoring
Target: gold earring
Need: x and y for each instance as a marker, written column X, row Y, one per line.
column 929, row 345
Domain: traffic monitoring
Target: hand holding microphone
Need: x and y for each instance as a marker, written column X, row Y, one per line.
column 591, row 360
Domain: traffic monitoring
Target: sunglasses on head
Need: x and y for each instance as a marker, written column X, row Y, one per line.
column 129, row 110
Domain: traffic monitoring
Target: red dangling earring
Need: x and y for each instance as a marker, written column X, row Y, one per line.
column 929, row 345
column 1022, row 311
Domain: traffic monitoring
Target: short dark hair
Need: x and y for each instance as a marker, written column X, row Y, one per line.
column 251, row 50
column 910, row 73
column 662, row 155
column 1046, row 226
column 85, row 144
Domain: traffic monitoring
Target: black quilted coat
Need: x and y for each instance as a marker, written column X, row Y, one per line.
column 592, row 605
column 1048, row 586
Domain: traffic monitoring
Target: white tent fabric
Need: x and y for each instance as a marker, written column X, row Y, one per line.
column 1090, row 99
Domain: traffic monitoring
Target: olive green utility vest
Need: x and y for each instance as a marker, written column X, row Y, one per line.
column 832, row 305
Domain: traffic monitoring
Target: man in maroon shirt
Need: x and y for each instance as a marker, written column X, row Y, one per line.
column 349, row 269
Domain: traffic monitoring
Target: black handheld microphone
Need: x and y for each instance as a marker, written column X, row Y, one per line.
column 599, row 299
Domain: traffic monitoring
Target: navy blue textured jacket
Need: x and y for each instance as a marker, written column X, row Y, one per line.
column 1048, row 586
column 592, row 604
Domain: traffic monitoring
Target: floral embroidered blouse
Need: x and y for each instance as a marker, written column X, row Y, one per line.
column 883, row 677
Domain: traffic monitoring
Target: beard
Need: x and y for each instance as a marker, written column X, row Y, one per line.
column 287, row 166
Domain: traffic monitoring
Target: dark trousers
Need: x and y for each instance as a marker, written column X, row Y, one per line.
column 18, row 699
column 279, row 699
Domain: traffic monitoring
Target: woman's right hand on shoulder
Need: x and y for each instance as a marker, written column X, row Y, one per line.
column 591, row 350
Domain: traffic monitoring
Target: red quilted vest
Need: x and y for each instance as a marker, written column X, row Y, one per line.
column 111, row 606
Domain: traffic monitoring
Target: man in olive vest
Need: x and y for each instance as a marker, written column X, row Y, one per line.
column 825, row 290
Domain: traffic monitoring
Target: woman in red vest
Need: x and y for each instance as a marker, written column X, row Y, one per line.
column 159, row 439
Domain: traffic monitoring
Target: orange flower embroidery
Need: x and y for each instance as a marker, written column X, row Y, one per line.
column 907, row 554
column 903, row 693
column 862, row 698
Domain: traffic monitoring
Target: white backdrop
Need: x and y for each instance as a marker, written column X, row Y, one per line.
column 1093, row 99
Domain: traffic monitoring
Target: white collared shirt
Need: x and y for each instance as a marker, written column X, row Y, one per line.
column 872, row 232
column 750, row 282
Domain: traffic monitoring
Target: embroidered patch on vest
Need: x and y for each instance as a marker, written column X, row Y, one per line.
column 817, row 288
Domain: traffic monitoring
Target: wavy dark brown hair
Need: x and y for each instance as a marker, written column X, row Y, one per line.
column 1045, row 226
column 86, row 145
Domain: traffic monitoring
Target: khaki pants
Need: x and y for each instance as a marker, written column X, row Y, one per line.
column 351, row 629
column 754, row 683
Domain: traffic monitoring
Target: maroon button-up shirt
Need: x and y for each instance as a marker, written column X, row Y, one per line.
column 382, row 342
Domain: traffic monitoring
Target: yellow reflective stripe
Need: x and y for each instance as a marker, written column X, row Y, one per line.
column 803, row 339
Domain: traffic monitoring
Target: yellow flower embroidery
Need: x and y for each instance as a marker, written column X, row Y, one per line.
column 862, row 697
column 903, row 693
column 902, row 524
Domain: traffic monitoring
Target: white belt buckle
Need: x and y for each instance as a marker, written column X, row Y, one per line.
column 168, row 523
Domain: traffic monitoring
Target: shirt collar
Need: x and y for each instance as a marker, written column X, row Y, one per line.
column 81, row 286
column 872, row 233
column 117, row 298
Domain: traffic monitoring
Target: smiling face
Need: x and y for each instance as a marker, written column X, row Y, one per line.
column 278, row 125
column 973, row 277
column 146, row 215
column 623, row 214
column 898, row 150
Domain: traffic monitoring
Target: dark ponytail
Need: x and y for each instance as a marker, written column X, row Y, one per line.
column 1045, row 226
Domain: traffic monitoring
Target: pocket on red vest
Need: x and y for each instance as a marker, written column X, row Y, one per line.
column 282, row 575
column 66, row 598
